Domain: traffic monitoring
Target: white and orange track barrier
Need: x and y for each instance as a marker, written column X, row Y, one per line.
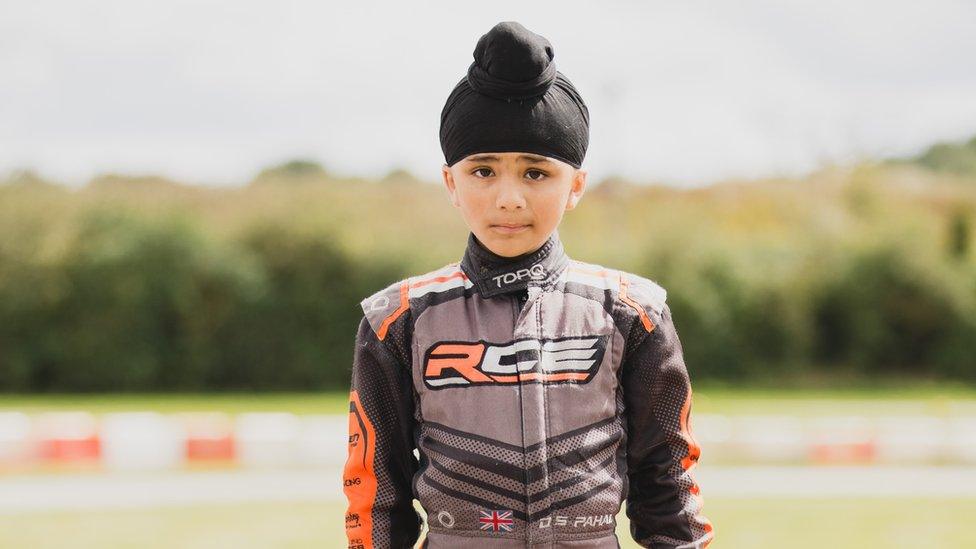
column 15, row 438
column 67, row 438
column 142, row 440
column 262, row 440
column 208, row 437
column 153, row 441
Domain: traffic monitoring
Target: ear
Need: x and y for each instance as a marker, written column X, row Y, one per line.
column 576, row 191
column 449, row 183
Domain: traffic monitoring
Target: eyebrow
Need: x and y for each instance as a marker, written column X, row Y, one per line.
column 493, row 158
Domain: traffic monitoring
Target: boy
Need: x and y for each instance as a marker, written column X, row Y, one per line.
column 539, row 391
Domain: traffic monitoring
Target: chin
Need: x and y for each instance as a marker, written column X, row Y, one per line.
column 510, row 247
column 509, row 251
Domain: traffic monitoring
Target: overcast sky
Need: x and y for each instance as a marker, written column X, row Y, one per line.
column 683, row 92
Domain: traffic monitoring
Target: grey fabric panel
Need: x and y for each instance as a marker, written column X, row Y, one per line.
column 381, row 305
column 467, row 409
column 437, row 540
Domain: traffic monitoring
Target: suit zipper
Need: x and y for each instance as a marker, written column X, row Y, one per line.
column 517, row 306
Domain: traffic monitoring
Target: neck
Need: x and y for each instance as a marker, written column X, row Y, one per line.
column 493, row 274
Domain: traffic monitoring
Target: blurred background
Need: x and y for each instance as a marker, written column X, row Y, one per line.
column 194, row 197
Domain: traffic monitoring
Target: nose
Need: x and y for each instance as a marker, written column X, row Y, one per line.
column 510, row 195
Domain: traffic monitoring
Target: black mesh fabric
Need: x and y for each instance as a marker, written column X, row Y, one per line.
column 384, row 385
column 662, row 504
column 397, row 340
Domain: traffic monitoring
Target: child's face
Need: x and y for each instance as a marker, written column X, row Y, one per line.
column 529, row 191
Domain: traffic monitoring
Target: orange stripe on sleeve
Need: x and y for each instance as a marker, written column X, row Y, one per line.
column 358, row 477
column 694, row 450
column 648, row 325
column 691, row 459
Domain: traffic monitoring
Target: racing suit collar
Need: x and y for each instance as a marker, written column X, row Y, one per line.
column 493, row 274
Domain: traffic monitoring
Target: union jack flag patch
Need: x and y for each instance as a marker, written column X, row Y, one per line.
column 497, row 521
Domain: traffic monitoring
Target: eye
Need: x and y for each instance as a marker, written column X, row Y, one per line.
column 475, row 172
column 541, row 175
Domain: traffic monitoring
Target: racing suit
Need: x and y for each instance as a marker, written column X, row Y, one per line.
column 540, row 392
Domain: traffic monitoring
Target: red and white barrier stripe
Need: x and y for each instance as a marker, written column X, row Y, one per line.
column 153, row 441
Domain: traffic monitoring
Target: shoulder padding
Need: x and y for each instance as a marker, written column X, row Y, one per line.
column 643, row 295
column 385, row 306
column 646, row 292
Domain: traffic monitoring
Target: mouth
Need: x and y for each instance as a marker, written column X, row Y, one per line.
column 510, row 228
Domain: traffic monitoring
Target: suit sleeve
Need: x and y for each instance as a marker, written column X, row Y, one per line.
column 663, row 500
column 378, row 473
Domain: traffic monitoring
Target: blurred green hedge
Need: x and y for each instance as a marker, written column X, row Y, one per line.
column 142, row 284
column 871, row 313
column 137, row 305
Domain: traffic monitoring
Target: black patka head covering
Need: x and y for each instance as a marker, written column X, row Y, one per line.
column 514, row 100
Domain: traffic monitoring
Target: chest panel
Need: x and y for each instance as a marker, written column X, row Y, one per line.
column 487, row 367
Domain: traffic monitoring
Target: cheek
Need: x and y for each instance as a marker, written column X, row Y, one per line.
column 544, row 213
column 552, row 201
column 471, row 200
